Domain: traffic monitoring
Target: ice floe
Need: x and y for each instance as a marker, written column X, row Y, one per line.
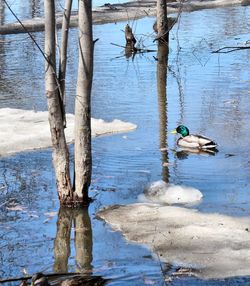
column 22, row 130
column 213, row 245
column 163, row 193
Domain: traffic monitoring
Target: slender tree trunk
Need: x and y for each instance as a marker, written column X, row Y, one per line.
column 63, row 54
column 162, row 26
column 162, row 56
column 83, row 157
column 2, row 13
column 162, row 63
column 60, row 149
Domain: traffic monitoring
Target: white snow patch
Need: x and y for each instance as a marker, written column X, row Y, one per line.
column 213, row 245
column 163, row 193
column 22, row 130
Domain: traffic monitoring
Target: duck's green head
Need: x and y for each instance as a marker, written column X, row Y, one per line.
column 181, row 129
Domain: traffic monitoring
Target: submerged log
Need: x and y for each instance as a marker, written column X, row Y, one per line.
column 245, row 2
column 120, row 12
column 129, row 51
column 129, row 36
column 33, row 25
column 100, row 15
column 130, row 48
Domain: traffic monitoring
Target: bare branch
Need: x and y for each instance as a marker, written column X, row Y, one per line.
column 226, row 50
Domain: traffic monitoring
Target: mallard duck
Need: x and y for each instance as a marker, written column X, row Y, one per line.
column 39, row 279
column 192, row 141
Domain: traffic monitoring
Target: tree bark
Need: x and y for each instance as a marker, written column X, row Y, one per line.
column 162, row 26
column 162, row 63
column 83, row 157
column 162, row 56
column 60, row 149
column 63, row 52
column 2, row 13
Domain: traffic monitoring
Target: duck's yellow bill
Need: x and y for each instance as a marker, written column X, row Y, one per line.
column 174, row 131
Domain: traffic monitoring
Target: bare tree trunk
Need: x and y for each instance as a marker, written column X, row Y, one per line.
column 60, row 149
column 83, row 157
column 162, row 56
column 162, row 25
column 2, row 13
column 63, row 54
column 162, row 63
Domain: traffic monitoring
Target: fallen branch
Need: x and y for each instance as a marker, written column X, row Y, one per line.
column 230, row 49
column 118, row 12
column 50, row 275
column 13, row 279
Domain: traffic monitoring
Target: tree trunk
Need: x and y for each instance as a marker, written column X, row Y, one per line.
column 63, row 51
column 162, row 63
column 162, row 26
column 83, row 157
column 60, row 149
column 2, row 13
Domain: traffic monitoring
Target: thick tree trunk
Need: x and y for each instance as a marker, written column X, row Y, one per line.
column 60, row 149
column 63, row 51
column 83, row 157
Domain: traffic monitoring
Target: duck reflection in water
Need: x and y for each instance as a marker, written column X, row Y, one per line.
column 185, row 152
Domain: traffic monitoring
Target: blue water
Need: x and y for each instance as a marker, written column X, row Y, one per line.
column 207, row 92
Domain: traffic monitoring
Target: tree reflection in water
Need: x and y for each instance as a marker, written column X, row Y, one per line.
column 79, row 218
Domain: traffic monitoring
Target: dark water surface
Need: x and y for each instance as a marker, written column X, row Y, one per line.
column 207, row 92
